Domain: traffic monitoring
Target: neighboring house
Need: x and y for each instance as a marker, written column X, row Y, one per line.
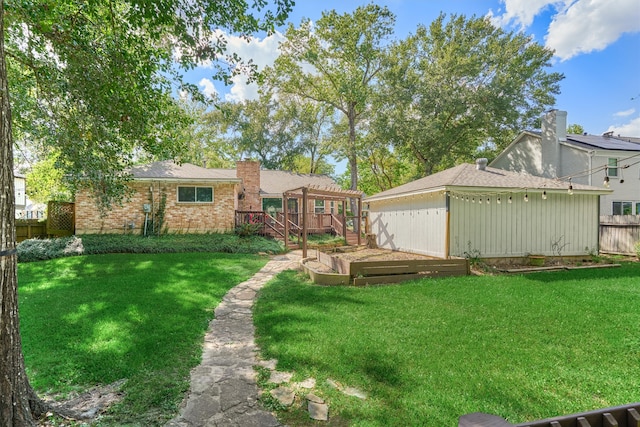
column 195, row 199
column 474, row 210
column 597, row 160
column 20, row 188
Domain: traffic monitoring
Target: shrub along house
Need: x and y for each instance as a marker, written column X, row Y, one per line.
column 474, row 210
column 190, row 199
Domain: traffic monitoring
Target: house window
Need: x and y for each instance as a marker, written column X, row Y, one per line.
column 624, row 208
column 195, row 194
column 319, row 206
column 612, row 167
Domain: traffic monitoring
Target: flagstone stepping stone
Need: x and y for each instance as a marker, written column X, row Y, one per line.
column 334, row 384
column 284, row 395
column 352, row 391
column 278, row 377
column 318, row 410
column 269, row 364
column 308, row 383
column 313, row 398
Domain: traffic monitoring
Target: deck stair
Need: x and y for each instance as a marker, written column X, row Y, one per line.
column 273, row 225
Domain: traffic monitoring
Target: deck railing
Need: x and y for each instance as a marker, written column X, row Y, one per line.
column 619, row 416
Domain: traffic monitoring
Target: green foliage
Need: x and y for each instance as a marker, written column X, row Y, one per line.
column 435, row 349
column 473, row 255
column 99, row 319
column 638, row 250
column 96, row 80
column 334, row 63
column 575, row 129
column 43, row 249
column 45, row 182
column 453, row 86
column 248, row 229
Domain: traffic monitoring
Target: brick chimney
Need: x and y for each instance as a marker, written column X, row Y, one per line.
column 249, row 172
column 554, row 131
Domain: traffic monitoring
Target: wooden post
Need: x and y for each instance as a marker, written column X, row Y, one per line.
column 285, row 219
column 447, row 231
column 305, row 198
column 344, row 218
column 359, row 220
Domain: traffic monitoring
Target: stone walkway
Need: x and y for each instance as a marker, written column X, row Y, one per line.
column 223, row 387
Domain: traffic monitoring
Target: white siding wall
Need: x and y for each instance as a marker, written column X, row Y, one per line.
column 411, row 224
column 519, row 228
column 629, row 190
column 525, row 155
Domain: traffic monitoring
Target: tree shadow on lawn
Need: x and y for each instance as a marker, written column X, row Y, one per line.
column 95, row 320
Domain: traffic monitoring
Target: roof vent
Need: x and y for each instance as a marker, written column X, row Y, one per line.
column 481, row 164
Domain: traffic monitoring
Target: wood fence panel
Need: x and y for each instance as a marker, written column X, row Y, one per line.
column 619, row 233
column 29, row 229
column 368, row 268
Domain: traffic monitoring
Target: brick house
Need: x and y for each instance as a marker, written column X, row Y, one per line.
column 193, row 199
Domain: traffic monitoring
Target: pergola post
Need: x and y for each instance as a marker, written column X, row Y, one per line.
column 305, row 197
column 344, row 218
column 359, row 220
column 285, row 205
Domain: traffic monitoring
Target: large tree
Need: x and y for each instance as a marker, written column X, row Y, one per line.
column 336, row 61
column 461, row 85
column 100, row 77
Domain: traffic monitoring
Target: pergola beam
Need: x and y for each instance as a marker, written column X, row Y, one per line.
column 326, row 193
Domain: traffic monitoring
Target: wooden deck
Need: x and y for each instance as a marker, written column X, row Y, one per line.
column 273, row 225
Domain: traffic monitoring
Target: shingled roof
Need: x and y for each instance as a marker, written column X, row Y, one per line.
column 169, row 170
column 272, row 182
column 466, row 176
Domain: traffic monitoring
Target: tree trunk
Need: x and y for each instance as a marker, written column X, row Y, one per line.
column 353, row 166
column 19, row 406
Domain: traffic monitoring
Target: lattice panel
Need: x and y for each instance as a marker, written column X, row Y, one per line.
column 60, row 218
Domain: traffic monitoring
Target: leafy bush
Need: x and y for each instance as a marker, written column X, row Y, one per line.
column 41, row 249
column 638, row 250
column 248, row 229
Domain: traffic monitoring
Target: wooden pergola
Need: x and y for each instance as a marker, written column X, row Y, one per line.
column 325, row 193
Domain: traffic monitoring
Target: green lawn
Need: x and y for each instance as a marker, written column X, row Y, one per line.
column 522, row 347
column 92, row 320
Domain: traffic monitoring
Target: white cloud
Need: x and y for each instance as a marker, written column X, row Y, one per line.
column 577, row 26
column 625, row 113
column 628, row 129
column 591, row 25
column 241, row 90
column 208, row 88
column 520, row 12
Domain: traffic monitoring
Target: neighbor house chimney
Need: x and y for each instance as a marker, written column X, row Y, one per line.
column 249, row 172
column 554, row 131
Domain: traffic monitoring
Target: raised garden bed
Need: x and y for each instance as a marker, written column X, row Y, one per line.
column 376, row 266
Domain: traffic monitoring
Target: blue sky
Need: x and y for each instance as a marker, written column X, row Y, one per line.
column 597, row 44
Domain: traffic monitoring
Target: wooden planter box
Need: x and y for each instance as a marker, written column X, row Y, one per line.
column 392, row 271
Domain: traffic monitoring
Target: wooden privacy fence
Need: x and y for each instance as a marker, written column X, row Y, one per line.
column 619, row 416
column 30, row 229
column 619, row 233
column 60, row 222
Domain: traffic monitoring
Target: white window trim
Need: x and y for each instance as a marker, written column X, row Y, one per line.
column 617, row 168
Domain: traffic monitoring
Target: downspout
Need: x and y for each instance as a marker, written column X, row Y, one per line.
column 447, row 225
